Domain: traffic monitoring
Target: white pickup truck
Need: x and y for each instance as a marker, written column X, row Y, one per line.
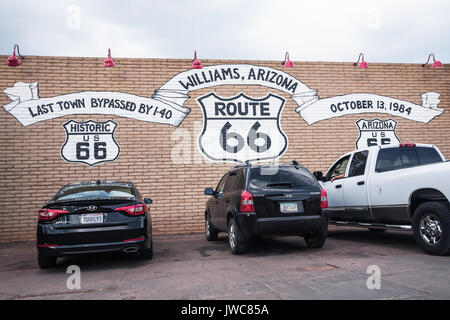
column 402, row 187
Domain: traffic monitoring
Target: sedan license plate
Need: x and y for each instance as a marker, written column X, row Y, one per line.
column 288, row 207
column 92, row 218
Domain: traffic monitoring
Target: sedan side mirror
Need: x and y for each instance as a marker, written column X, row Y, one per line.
column 209, row 191
column 148, row 201
column 318, row 175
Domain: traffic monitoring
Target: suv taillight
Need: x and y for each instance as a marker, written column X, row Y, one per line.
column 247, row 202
column 134, row 210
column 323, row 199
column 49, row 214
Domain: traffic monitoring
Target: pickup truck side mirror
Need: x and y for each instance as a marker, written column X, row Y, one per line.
column 318, row 175
column 148, row 201
column 209, row 191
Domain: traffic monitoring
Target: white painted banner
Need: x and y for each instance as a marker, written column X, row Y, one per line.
column 322, row 109
column 28, row 108
column 167, row 103
column 165, row 106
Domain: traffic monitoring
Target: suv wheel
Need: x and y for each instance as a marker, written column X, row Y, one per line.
column 210, row 232
column 46, row 262
column 236, row 240
column 316, row 239
column 431, row 227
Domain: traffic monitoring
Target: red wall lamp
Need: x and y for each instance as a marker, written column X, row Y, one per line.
column 287, row 63
column 13, row 60
column 109, row 62
column 436, row 63
column 363, row 63
column 196, row 64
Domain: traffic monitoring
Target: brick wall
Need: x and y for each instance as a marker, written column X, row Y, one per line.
column 32, row 170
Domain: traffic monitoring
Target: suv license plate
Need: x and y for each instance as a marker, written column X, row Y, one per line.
column 287, row 207
column 92, row 218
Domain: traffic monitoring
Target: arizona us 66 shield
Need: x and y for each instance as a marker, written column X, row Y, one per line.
column 242, row 128
column 376, row 132
column 90, row 142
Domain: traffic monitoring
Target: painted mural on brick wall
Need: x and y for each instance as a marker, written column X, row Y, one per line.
column 90, row 142
column 167, row 103
column 376, row 132
column 235, row 128
column 242, row 128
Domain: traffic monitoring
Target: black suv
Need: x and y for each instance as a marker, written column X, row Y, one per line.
column 252, row 201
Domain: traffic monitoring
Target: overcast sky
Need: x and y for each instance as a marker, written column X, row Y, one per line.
column 386, row 31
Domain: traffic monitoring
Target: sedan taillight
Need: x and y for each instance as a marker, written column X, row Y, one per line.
column 134, row 210
column 49, row 214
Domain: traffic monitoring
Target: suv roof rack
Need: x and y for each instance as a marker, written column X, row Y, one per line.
column 295, row 163
column 243, row 165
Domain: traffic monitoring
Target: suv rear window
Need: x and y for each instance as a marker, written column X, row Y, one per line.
column 94, row 191
column 281, row 177
column 400, row 158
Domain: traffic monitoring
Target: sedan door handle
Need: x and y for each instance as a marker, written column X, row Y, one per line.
column 360, row 183
column 227, row 200
column 338, row 186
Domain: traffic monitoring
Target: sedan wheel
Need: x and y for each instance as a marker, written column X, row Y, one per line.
column 46, row 262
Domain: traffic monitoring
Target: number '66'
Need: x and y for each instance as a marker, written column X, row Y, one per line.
column 83, row 151
column 226, row 135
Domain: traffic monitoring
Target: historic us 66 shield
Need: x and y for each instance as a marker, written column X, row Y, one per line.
column 90, row 142
column 241, row 128
column 376, row 132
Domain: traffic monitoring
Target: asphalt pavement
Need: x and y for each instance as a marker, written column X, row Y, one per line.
column 189, row 267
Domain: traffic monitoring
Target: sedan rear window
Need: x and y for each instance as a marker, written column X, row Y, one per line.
column 281, row 177
column 85, row 192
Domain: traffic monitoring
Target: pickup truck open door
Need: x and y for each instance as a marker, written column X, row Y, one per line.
column 334, row 184
column 355, row 188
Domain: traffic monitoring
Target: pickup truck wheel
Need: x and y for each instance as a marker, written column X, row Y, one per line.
column 374, row 230
column 236, row 241
column 210, row 232
column 316, row 239
column 431, row 227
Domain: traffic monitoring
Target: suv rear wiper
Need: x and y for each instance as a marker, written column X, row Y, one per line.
column 280, row 184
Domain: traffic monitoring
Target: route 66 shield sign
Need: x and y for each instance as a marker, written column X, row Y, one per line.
column 90, row 142
column 241, row 128
column 376, row 132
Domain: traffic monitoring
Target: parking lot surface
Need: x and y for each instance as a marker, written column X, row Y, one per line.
column 189, row 267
